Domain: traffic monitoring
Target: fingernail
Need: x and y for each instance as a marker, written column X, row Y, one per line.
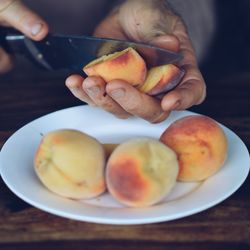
column 93, row 91
column 117, row 93
column 36, row 29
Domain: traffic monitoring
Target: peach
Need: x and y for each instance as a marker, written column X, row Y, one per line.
column 109, row 148
column 200, row 144
column 141, row 172
column 161, row 79
column 125, row 65
column 71, row 164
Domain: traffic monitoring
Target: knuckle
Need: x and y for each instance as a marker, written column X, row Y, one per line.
column 203, row 93
column 5, row 62
column 159, row 117
column 132, row 107
column 4, row 4
column 123, row 115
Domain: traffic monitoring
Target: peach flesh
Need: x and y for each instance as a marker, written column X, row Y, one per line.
column 125, row 65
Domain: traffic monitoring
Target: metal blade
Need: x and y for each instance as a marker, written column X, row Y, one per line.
column 74, row 52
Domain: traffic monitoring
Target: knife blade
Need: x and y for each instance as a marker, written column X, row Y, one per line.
column 58, row 51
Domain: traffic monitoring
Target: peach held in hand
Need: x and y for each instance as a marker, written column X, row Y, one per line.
column 129, row 66
column 125, row 65
column 200, row 144
column 141, row 172
column 71, row 164
column 161, row 79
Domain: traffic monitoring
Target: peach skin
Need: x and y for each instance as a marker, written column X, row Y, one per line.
column 141, row 172
column 200, row 144
column 125, row 65
column 71, row 164
column 161, row 79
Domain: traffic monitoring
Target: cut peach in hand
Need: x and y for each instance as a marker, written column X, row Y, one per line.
column 71, row 164
column 125, row 65
column 200, row 144
column 161, row 79
column 141, row 172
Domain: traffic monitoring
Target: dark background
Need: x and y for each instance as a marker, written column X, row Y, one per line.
column 230, row 51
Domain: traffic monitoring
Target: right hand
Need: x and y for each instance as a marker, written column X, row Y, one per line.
column 13, row 13
column 150, row 22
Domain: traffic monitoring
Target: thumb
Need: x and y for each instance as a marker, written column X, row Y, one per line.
column 169, row 42
column 16, row 14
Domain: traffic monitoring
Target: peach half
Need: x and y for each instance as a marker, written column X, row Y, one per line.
column 141, row 172
column 161, row 79
column 125, row 65
column 71, row 164
column 200, row 144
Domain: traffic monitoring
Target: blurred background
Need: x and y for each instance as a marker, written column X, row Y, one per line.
column 230, row 50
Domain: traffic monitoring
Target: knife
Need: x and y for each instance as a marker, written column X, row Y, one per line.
column 58, row 51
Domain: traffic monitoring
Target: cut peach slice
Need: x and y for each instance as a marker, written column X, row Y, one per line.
column 161, row 79
column 125, row 65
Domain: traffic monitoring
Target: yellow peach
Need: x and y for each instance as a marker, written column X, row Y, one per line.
column 200, row 144
column 109, row 148
column 161, row 79
column 71, row 163
column 141, row 172
column 125, row 65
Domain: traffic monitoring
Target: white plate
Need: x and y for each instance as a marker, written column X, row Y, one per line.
column 16, row 162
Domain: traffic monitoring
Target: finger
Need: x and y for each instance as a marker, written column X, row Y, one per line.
column 169, row 42
column 186, row 48
column 95, row 88
column 191, row 91
column 5, row 62
column 135, row 102
column 74, row 84
column 22, row 18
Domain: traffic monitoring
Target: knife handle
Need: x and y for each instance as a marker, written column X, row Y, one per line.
column 12, row 41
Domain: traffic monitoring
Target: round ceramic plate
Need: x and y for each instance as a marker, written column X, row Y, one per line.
column 16, row 162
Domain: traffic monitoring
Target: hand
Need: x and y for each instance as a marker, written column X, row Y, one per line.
column 152, row 22
column 14, row 14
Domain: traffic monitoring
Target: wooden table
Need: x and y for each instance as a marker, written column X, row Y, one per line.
column 225, row 226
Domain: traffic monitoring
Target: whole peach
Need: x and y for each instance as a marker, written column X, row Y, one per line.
column 141, row 172
column 200, row 144
column 71, row 163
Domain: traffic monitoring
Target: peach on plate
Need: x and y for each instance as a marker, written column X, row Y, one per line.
column 200, row 144
column 141, row 172
column 71, row 163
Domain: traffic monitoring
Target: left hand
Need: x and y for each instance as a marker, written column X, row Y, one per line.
column 152, row 22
